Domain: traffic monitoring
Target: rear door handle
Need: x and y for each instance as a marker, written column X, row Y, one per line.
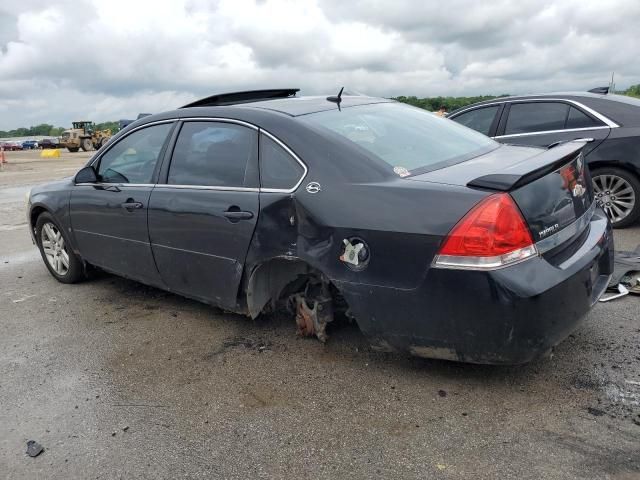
column 236, row 215
column 586, row 140
column 131, row 205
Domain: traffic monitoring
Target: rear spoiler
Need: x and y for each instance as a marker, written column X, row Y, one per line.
column 529, row 170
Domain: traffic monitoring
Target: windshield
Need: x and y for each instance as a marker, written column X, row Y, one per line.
column 410, row 140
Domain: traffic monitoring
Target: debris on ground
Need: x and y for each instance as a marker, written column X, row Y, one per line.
column 34, row 448
column 596, row 412
column 622, row 291
column 626, row 274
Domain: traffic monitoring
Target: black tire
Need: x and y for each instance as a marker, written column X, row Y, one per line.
column 75, row 271
column 631, row 180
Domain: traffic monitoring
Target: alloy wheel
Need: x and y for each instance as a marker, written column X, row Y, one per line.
column 615, row 195
column 54, row 248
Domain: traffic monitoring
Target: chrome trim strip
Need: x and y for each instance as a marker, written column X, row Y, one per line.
column 545, row 132
column 567, row 232
column 295, row 157
column 485, row 263
column 207, row 187
column 219, row 119
column 107, row 184
column 606, row 120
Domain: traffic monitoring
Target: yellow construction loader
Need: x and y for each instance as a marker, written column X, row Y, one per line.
column 84, row 136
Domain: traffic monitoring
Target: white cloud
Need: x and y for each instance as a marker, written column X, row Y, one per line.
column 67, row 59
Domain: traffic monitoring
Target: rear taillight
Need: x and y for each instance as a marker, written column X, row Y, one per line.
column 492, row 235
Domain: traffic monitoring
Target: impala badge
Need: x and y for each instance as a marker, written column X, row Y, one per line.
column 313, row 187
column 578, row 190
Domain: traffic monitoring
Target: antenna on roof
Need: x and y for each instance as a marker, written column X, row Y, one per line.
column 612, row 84
column 337, row 99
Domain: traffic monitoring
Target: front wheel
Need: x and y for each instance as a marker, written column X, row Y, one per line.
column 86, row 144
column 618, row 193
column 56, row 252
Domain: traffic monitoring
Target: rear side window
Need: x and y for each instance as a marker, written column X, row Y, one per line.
column 212, row 154
column 536, row 117
column 278, row 169
column 577, row 119
column 480, row 119
column 408, row 140
column 133, row 159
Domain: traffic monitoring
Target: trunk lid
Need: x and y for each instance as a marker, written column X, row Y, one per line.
column 551, row 187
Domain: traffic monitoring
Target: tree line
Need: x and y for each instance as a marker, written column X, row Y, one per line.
column 453, row 103
column 47, row 130
column 428, row 103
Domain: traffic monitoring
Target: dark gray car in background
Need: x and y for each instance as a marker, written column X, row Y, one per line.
column 609, row 124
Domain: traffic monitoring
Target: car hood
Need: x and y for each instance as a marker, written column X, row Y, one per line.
column 56, row 185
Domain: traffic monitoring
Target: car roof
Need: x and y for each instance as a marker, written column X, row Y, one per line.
column 568, row 95
column 623, row 110
column 296, row 106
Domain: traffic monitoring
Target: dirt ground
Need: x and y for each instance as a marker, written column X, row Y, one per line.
column 119, row 380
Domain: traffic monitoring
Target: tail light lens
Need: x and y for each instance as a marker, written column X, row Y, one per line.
column 492, row 235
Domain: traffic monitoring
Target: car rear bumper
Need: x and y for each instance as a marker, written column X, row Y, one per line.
column 506, row 316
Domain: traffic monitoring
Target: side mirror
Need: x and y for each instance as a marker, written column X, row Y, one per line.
column 87, row 175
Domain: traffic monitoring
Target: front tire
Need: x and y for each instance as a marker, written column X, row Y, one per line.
column 86, row 144
column 618, row 193
column 55, row 249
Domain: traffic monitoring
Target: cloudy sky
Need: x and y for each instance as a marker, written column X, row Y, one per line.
column 108, row 59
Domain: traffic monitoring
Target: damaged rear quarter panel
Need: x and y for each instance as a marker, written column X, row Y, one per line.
column 395, row 218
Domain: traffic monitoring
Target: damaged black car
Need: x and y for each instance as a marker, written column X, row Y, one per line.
column 435, row 239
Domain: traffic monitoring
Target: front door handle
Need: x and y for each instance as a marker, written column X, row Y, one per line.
column 234, row 214
column 130, row 205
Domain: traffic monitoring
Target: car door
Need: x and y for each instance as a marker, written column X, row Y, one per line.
column 543, row 123
column 481, row 119
column 202, row 217
column 109, row 217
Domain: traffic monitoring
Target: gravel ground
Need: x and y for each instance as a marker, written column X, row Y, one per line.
column 119, row 380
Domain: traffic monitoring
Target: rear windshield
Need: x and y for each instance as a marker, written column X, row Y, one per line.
column 408, row 139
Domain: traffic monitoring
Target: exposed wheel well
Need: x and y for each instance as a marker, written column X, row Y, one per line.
column 303, row 288
column 268, row 280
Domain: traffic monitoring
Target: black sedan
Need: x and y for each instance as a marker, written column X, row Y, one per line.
column 434, row 238
column 610, row 124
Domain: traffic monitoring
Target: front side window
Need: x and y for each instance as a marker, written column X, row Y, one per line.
column 133, row 159
column 480, row 119
column 212, row 154
column 536, row 117
column 408, row 139
column 278, row 169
